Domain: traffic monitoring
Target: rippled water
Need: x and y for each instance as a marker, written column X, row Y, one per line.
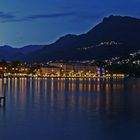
column 70, row 109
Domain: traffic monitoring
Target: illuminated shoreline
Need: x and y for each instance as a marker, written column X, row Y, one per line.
column 50, row 76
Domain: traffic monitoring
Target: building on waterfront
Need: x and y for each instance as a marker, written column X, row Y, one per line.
column 50, row 71
column 69, row 70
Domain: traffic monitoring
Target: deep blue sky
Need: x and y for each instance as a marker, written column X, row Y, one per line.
column 25, row 22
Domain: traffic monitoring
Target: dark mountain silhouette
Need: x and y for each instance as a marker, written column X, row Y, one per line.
column 114, row 36
column 9, row 53
column 30, row 48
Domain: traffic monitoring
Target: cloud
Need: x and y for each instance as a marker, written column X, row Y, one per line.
column 73, row 16
column 13, row 20
column 51, row 16
column 5, row 16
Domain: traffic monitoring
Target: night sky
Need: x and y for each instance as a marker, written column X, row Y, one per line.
column 25, row 22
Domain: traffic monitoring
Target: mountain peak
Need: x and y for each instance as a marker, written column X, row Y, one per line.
column 68, row 36
column 6, row 46
column 65, row 39
column 119, row 18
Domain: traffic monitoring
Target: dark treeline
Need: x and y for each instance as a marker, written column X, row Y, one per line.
column 130, row 70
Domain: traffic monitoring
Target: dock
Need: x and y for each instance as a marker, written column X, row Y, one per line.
column 2, row 101
column 3, row 98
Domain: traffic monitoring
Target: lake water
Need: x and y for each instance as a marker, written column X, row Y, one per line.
column 70, row 109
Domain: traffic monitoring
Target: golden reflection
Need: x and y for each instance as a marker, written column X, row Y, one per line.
column 15, row 86
column 85, row 86
column 107, row 88
column 69, row 88
column 9, row 86
column 97, row 102
column 38, row 86
column 107, row 99
column 1, row 87
column 98, row 88
column 89, row 86
column 45, row 86
column 94, row 87
column 72, row 92
column 58, row 85
column 52, row 91
column 80, row 86
column 61, row 96
column 62, row 85
column 31, row 86
column 72, row 86
column 22, row 93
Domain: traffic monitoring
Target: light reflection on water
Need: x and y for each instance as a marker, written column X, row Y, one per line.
column 98, row 92
column 78, row 105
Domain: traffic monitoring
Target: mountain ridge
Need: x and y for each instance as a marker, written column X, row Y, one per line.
column 8, row 52
column 114, row 36
column 122, row 30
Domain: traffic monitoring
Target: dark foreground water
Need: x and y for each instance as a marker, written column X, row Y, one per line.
column 69, row 109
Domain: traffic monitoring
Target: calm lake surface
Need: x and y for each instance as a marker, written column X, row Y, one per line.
column 70, row 109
